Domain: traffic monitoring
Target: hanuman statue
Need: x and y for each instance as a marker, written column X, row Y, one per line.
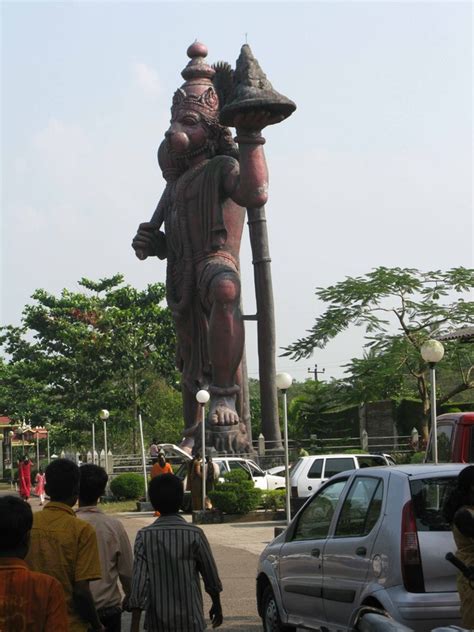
column 210, row 181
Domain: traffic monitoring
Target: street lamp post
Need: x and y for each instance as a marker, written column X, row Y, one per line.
column 104, row 415
column 11, row 434
column 142, row 442
column 48, row 451
column 202, row 397
column 432, row 351
column 24, row 428
column 283, row 383
column 93, row 442
column 37, row 447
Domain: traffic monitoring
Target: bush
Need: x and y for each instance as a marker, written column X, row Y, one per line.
column 237, row 494
column 274, row 499
column 128, row 486
column 418, row 457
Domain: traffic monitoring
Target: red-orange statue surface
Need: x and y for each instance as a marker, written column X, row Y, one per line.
column 210, row 182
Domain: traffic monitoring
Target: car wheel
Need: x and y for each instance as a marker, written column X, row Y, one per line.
column 270, row 617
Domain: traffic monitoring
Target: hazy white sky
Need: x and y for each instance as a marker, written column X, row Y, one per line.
column 374, row 168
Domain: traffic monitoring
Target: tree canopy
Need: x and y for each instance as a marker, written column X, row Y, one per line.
column 400, row 308
column 101, row 347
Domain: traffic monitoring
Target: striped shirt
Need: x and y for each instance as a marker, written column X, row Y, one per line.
column 169, row 556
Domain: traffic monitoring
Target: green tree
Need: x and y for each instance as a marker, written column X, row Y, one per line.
column 73, row 354
column 307, row 409
column 399, row 308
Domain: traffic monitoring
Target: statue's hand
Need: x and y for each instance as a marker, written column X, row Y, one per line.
column 149, row 242
column 255, row 120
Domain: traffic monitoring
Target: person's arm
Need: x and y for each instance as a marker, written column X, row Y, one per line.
column 56, row 609
column 125, row 561
column 84, row 604
column 138, row 599
column 212, row 584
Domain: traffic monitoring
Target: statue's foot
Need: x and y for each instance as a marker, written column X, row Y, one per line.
column 222, row 411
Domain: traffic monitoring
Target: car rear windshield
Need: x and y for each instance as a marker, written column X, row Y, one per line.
column 429, row 496
column 371, row 461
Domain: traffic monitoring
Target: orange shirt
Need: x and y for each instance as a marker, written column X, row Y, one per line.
column 66, row 548
column 30, row 602
column 157, row 470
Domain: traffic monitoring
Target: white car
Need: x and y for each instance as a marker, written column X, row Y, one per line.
column 310, row 472
column 262, row 480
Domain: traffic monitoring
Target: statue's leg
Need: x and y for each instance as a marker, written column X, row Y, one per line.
column 225, row 345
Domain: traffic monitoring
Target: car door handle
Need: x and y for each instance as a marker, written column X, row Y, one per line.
column 316, row 552
column 361, row 550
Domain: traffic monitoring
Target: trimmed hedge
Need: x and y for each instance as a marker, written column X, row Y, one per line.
column 237, row 494
column 127, row 486
column 274, row 499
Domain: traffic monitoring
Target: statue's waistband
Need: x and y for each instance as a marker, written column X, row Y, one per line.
column 201, row 257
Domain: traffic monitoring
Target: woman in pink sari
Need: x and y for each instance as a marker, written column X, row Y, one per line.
column 40, row 481
column 24, row 477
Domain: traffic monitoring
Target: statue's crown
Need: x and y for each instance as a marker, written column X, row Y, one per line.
column 197, row 92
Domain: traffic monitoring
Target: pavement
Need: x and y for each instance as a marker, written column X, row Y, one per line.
column 236, row 548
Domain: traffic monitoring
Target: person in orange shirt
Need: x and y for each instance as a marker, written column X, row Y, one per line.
column 160, row 466
column 29, row 602
column 65, row 547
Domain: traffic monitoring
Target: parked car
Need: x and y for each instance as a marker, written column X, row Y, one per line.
column 374, row 537
column 261, row 479
column 309, row 472
column 455, row 439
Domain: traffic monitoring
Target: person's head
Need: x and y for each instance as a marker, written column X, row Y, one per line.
column 154, row 441
column 62, row 481
column 166, row 494
column 40, row 471
column 25, row 458
column 462, row 494
column 16, row 520
column 161, row 458
column 92, row 483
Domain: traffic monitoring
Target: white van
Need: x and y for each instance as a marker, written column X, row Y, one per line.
column 309, row 472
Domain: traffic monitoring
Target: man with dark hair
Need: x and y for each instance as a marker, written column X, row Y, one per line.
column 65, row 547
column 169, row 556
column 28, row 600
column 114, row 548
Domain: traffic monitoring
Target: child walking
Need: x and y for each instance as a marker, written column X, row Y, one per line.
column 40, row 481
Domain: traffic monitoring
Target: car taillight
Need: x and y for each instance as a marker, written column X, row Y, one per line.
column 294, row 492
column 412, row 570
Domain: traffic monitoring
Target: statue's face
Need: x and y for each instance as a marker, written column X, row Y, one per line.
column 187, row 132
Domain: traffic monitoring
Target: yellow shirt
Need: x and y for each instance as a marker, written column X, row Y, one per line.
column 65, row 548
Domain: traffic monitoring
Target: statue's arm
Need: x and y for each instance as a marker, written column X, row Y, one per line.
column 150, row 241
column 247, row 184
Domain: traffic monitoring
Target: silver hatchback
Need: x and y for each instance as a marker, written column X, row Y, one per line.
column 372, row 536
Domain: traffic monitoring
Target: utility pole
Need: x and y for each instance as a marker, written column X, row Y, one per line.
column 315, row 372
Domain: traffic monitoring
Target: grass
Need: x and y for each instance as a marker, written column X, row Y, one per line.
column 119, row 505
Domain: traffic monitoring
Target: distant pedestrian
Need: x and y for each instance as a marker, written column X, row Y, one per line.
column 65, row 547
column 154, row 450
column 29, row 601
column 212, row 476
column 24, row 477
column 40, row 481
column 115, row 551
column 161, row 466
column 194, row 482
column 170, row 554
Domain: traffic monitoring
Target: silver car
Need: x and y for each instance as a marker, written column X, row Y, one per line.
column 374, row 536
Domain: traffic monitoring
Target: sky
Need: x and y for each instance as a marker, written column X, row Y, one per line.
column 374, row 167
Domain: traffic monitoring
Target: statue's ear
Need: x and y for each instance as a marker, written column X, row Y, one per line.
column 178, row 96
column 210, row 99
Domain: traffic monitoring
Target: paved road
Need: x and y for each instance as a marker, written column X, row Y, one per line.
column 236, row 548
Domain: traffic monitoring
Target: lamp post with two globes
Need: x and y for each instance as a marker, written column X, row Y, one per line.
column 202, row 398
column 283, row 383
column 432, row 351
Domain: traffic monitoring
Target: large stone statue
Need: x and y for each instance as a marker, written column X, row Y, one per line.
column 209, row 183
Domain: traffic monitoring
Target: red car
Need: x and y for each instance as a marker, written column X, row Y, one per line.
column 455, row 439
